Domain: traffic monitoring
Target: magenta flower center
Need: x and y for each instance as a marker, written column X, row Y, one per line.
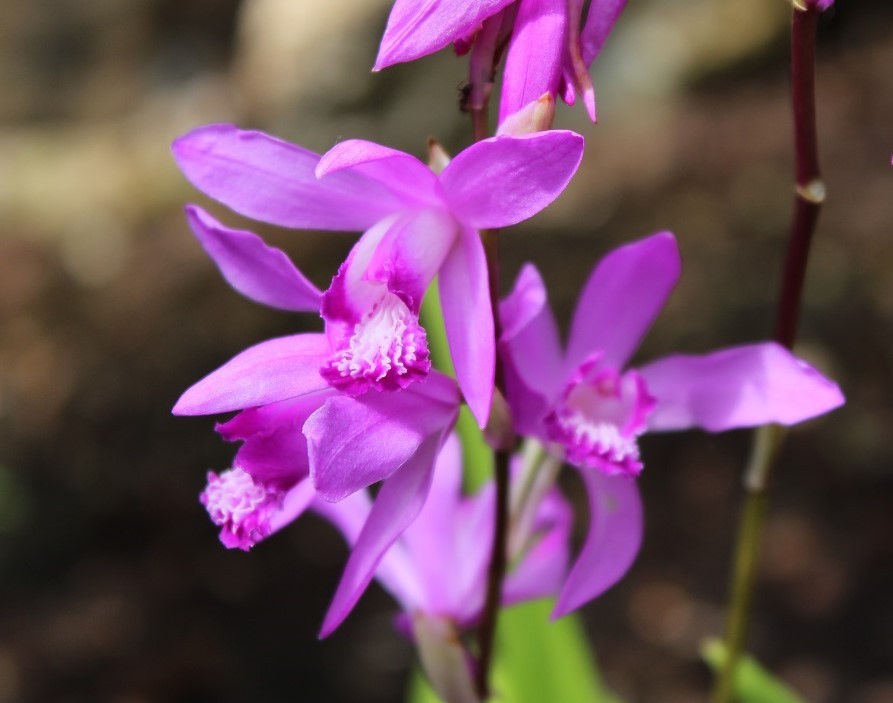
column 388, row 350
column 240, row 507
column 600, row 417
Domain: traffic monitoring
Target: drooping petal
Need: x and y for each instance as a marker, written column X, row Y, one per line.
column 257, row 271
column 600, row 20
column 737, row 387
column 275, row 370
column 355, row 442
column 273, row 181
column 417, row 28
column 468, row 319
column 621, row 299
column 430, row 540
column 536, row 53
column 530, row 350
column 398, row 503
column 411, row 181
column 504, row 180
column 274, row 451
column 612, row 542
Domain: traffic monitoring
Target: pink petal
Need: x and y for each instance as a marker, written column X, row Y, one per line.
column 417, row 28
column 468, row 318
column 275, row 370
column 621, row 299
column 600, row 20
column 503, row 180
column 612, row 542
column 535, row 55
column 274, row 451
column 530, row 350
column 273, row 181
column 398, row 503
column 411, row 181
column 737, row 387
column 355, row 442
column 257, row 271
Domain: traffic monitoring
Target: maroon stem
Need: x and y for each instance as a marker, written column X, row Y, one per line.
column 809, row 195
column 498, row 556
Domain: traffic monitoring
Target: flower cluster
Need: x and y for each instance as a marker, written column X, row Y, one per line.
column 322, row 417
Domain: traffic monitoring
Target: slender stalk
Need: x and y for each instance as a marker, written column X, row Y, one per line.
column 809, row 195
column 499, row 555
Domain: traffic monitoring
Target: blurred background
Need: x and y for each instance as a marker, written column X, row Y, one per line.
column 113, row 586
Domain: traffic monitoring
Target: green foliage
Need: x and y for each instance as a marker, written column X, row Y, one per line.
column 537, row 661
column 753, row 684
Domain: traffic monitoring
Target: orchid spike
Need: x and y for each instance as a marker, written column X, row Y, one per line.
column 301, row 435
column 592, row 408
column 549, row 45
column 417, row 224
column 438, row 565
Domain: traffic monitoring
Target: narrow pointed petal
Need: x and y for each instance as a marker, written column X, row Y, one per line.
column 468, row 318
column 417, row 28
column 530, row 350
column 355, row 442
column 411, row 181
column 600, row 20
column 275, row 370
column 257, row 271
column 398, row 503
column 504, row 180
column 737, row 387
column 274, row 451
column 612, row 542
column 576, row 70
column 622, row 298
column 273, row 181
column 536, row 54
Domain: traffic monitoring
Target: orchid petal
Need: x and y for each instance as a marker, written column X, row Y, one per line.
column 417, row 28
column 737, row 387
column 600, row 20
column 410, row 254
column 355, row 442
column 398, row 503
column 274, row 451
column 612, row 542
column 536, row 53
column 620, row 300
column 530, row 350
column 257, row 271
column 275, row 370
column 411, row 181
column 294, row 503
column 273, row 181
column 503, row 180
column 468, row 318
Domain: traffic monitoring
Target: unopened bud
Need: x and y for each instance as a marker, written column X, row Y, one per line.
column 536, row 116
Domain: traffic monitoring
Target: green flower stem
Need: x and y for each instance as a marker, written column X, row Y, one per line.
column 809, row 196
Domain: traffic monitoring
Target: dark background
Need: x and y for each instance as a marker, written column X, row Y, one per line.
column 113, row 586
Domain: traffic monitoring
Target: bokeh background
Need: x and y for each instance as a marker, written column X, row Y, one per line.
column 113, row 586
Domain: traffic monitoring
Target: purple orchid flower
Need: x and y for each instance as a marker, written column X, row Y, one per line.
column 438, row 567
column 587, row 404
column 417, row 224
column 548, row 52
column 302, row 437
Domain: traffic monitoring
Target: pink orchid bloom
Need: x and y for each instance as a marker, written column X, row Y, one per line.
column 417, row 225
column 589, row 405
column 438, row 567
column 548, row 52
column 303, row 438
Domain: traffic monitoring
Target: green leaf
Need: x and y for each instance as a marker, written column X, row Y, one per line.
column 537, row 661
column 753, row 684
column 476, row 453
